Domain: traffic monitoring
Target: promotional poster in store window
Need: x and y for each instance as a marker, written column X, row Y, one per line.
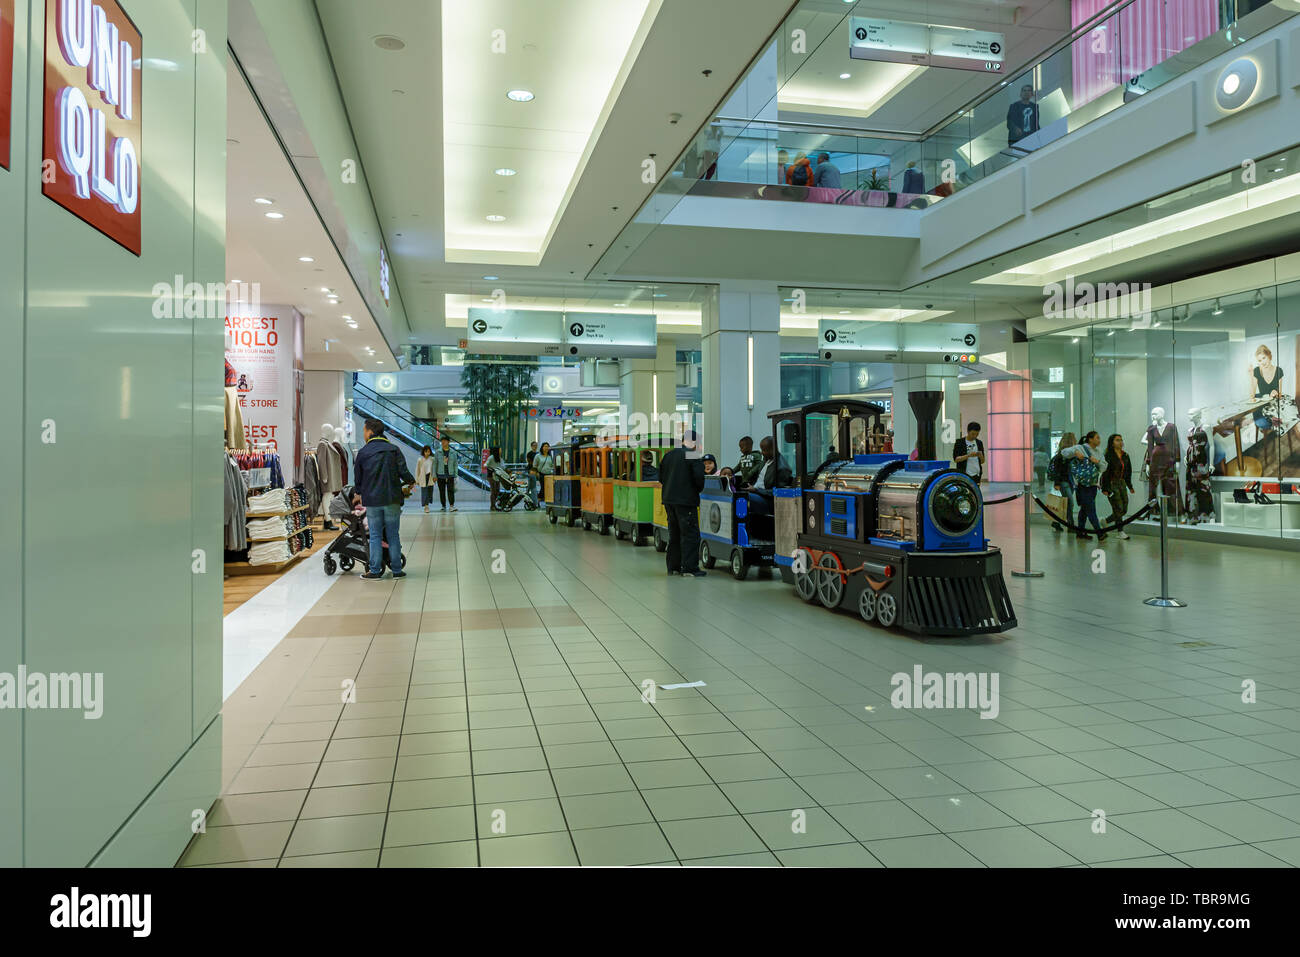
column 265, row 350
column 1253, row 393
column 93, row 157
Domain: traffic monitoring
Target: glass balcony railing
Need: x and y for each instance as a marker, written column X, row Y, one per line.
column 1112, row 56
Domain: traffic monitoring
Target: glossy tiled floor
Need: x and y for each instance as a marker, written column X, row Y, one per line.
column 498, row 717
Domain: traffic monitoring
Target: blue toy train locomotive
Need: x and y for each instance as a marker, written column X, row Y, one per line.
column 899, row 542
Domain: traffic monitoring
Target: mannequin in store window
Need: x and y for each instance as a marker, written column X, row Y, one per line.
column 1199, row 496
column 1163, row 453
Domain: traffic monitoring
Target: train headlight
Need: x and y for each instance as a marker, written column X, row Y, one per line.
column 954, row 505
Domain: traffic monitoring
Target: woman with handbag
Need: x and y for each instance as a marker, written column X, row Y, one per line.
column 1117, row 480
column 1058, row 473
column 1086, row 461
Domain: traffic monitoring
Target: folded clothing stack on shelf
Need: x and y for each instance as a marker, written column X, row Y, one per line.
column 262, row 528
column 272, row 501
column 300, row 540
column 269, row 553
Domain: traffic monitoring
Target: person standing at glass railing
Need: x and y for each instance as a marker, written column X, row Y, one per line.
column 782, row 161
column 825, row 173
column 800, row 172
column 1022, row 116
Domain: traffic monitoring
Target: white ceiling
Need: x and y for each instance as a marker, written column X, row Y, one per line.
column 401, row 134
column 265, row 251
column 898, row 97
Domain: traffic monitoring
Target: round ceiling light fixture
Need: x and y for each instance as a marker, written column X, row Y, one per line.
column 1237, row 84
column 275, row 215
column 845, row 76
column 521, row 96
column 496, row 218
column 263, row 201
column 491, row 278
column 390, row 43
column 306, row 259
column 505, row 171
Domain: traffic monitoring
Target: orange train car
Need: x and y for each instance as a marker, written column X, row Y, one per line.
column 596, row 477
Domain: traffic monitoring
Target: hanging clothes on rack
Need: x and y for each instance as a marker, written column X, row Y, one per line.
column 261, row 460
column 343, row 464
column 236, row 509
column 311, row 481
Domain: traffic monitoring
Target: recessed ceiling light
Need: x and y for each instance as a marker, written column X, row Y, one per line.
column 491, row 278
column 347, row 318
column 486, row 300
column 263, row 201
column 324, row 288
column 275, row 215
column 845, row 76
column 620, row 305
column 380, row 362
column 496, row 218
column 505, row 171
column 236, row 281
column 389, row 43
column 520, row 96
column 306, row 259
column 844, row 312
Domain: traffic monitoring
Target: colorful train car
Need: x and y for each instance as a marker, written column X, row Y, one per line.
column 562, row 490
column 596, row 483
column 735, row 527
column 636, row 479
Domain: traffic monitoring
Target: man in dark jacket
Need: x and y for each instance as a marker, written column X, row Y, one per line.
column 380, row 473
column 775, row 473
column 682, row 478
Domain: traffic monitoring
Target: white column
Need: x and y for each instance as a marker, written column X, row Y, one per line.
column 649, row 387
column 926, row 378
column 740, row 344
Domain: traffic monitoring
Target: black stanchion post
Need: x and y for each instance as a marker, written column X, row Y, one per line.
column 1028, row 571
column 1163, row 600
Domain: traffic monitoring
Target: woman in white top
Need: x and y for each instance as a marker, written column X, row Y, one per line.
column 424, row 476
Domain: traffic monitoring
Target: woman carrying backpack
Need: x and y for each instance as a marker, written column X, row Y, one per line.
column 1086, row 462
column 1058, row 473
column 800, row 172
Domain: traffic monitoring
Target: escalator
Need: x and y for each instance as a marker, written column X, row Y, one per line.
column 410, row 431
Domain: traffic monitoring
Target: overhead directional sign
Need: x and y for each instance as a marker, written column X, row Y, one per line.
column 536, row 332
column 514, row 332
column 610, row 335
column 924, row 44
column 857, row 340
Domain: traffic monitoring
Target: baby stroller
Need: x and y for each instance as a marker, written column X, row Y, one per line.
column 353, row 543
column 512, row 490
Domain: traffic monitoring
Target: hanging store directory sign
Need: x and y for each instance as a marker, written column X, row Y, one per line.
column 856, row 340
column 6, row 79
column 93, row 154
column 923, row 44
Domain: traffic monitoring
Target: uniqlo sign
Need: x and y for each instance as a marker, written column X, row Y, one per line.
column 6, row 79
column 93, row 155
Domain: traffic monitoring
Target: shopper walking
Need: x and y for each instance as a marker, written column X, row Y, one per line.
column 493, row 463
column 1058, row 473
column 682, row 477
column 444, row 470
column 543, row 465
column 381, row 476
column 424, row 476
column 1117, row 480
column 1086, row 463
column 533, row 479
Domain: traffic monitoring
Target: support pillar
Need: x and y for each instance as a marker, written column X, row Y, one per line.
column 648, row 387
column 746, row 316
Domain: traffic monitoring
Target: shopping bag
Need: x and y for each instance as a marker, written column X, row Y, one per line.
column 1056, row 504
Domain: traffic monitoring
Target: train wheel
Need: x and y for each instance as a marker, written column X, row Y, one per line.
column 830, row 587
column 805, row 586
column 867, row 604
column 706, row 557
column 553, row 517
column 586, row 525
column 886, row 609
column 604, row 529
column 739, row 570
column 618, row 533
column 660, row 544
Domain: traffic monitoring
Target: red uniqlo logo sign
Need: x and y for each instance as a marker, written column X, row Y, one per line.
column 93, row 155
column 6, row 79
